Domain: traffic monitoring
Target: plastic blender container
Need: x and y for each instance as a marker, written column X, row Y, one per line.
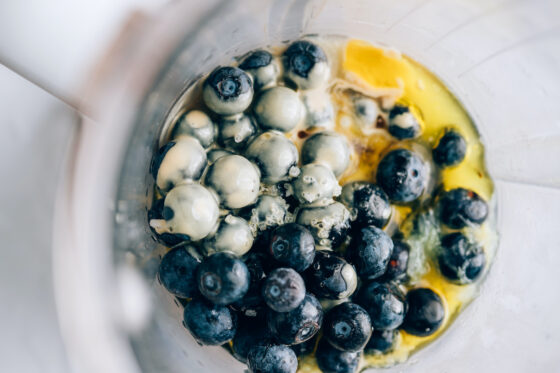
column 500, row 58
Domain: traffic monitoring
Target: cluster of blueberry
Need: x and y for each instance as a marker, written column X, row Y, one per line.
column 259, row 242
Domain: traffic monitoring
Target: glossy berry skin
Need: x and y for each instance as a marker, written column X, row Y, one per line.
column 250, row 332
column 293, row 246
column 283, row 290
column 450, row 150
column 262, row 67
column 460, row 260
column 381, row 341
column 255, row 60
column 347, row 327
column 402, row 175
column 385, row 304
column 425, row 312
column 298, row 325
column 462, row 207
column 369, row 251
column 272, row 359
column 402, row 123
column 209, row 324
column 332, row 360
column 368, row 202
column 398, row 262
column 252, row 303
column 305, row 64
column 223, row 278
column 331, row 277
column 227, row 90
column 177, row 272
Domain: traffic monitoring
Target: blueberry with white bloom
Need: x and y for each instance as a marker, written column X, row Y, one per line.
column 317, row 184
column 385, row 304
column 402, row 123
column 223, row 278
column 177, row 273
column 235, row 180
column 190, row 210
column 275, row 155
column 235, row 132
column 279, row 108
column 370, row 251
column 331, row 277
column 347, row 327
column 181, row 162
column 214, row 154
column 233, row 235
column 333, row 360
column 268, row 212
column 209, row 324
column 306, row 65
column 460, row 260
column 262, row 66
column 293, row 245
column 227, row 90
column 319, row 109
column 197, row 124
column 272, row 359
column 329, row 148
column 366, row 111
column 368, row 203
column 403, row 175
column 382, row 341
column 283, row 289
column 328, row 224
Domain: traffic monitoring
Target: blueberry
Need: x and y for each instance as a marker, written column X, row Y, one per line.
column 250, row 332
column 214, row 154
column 368, row 202
column 236, row 132
column 450, row 150
column 279, row 108
column 332, row 360
column 315, row 184
column 328, row 224
column 252, row 303
column 305, row 348
column 262, row 67
column 347, row 327
column 459, row 260
column 233, row 235
column 197, row 124
column 275, row 154
column 272, row 359
column 256, row 59
column 283, row 290
column 223, row 278
column 425, row 312
column 461, row 207
column 210, row 324
column 402, row 123
column 298, row 325
column 369, row 251
column 331, row 277
column 177, row 273
column 381, row 341
column 293, row 246
column 227, row 90
column 158, row 157
column 385, row 304
column 398, row 262
column 305, row 64
column 329, row 148
column 267, row 213
column 402, row 175
column 169, row 239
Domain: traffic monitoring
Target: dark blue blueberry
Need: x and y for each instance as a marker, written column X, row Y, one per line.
column 459, row 260
column 210, row 324
column 461, row 207
column 169, row 239
column 301, row 56
column 293, row 246
column 256, row 59
column 252, row 303
column 229, row 82
column 385, row 304
column 402, row 175
column 272, row 359
column 305, row 348
column 223, row 278
column 402, row 123
column 283, row 290
column 450, row 150
column 177, row 273
column 332, row 360
column 347, row 327
column 381, row 341
column 398, row 262
column 369, row 251
column 158, row 157
column 331, row 277
column 372, row 205
column 298, row 325
column 250, row 332
column 425, row 312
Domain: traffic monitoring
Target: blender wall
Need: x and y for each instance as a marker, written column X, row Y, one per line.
column 500, row 58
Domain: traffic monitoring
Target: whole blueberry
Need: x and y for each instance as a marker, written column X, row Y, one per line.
column 293, row 245
column 262, row 67
column 177, row 273
column 252, row 303
column 283, row 290
column 305, row 348
column 227, row 90
column 381, row 341
column 385, row 304
column 368, row 202
column 369, row 251
column 169, row 239
column 425, row 312
column 210, row 324
column 402, row 175
column 158, row 157
column 331, row 277
column 461, row 207
column 272, row 359
column 298, row 325
column 459, row 259
column 332, row 360
column 450, row 150
column 223, row 278
column 328, row 224
column 250, row 332
column 347, row 327
column 305, row 64
column 256, row 59
column 402, row 123
column 398, row 262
